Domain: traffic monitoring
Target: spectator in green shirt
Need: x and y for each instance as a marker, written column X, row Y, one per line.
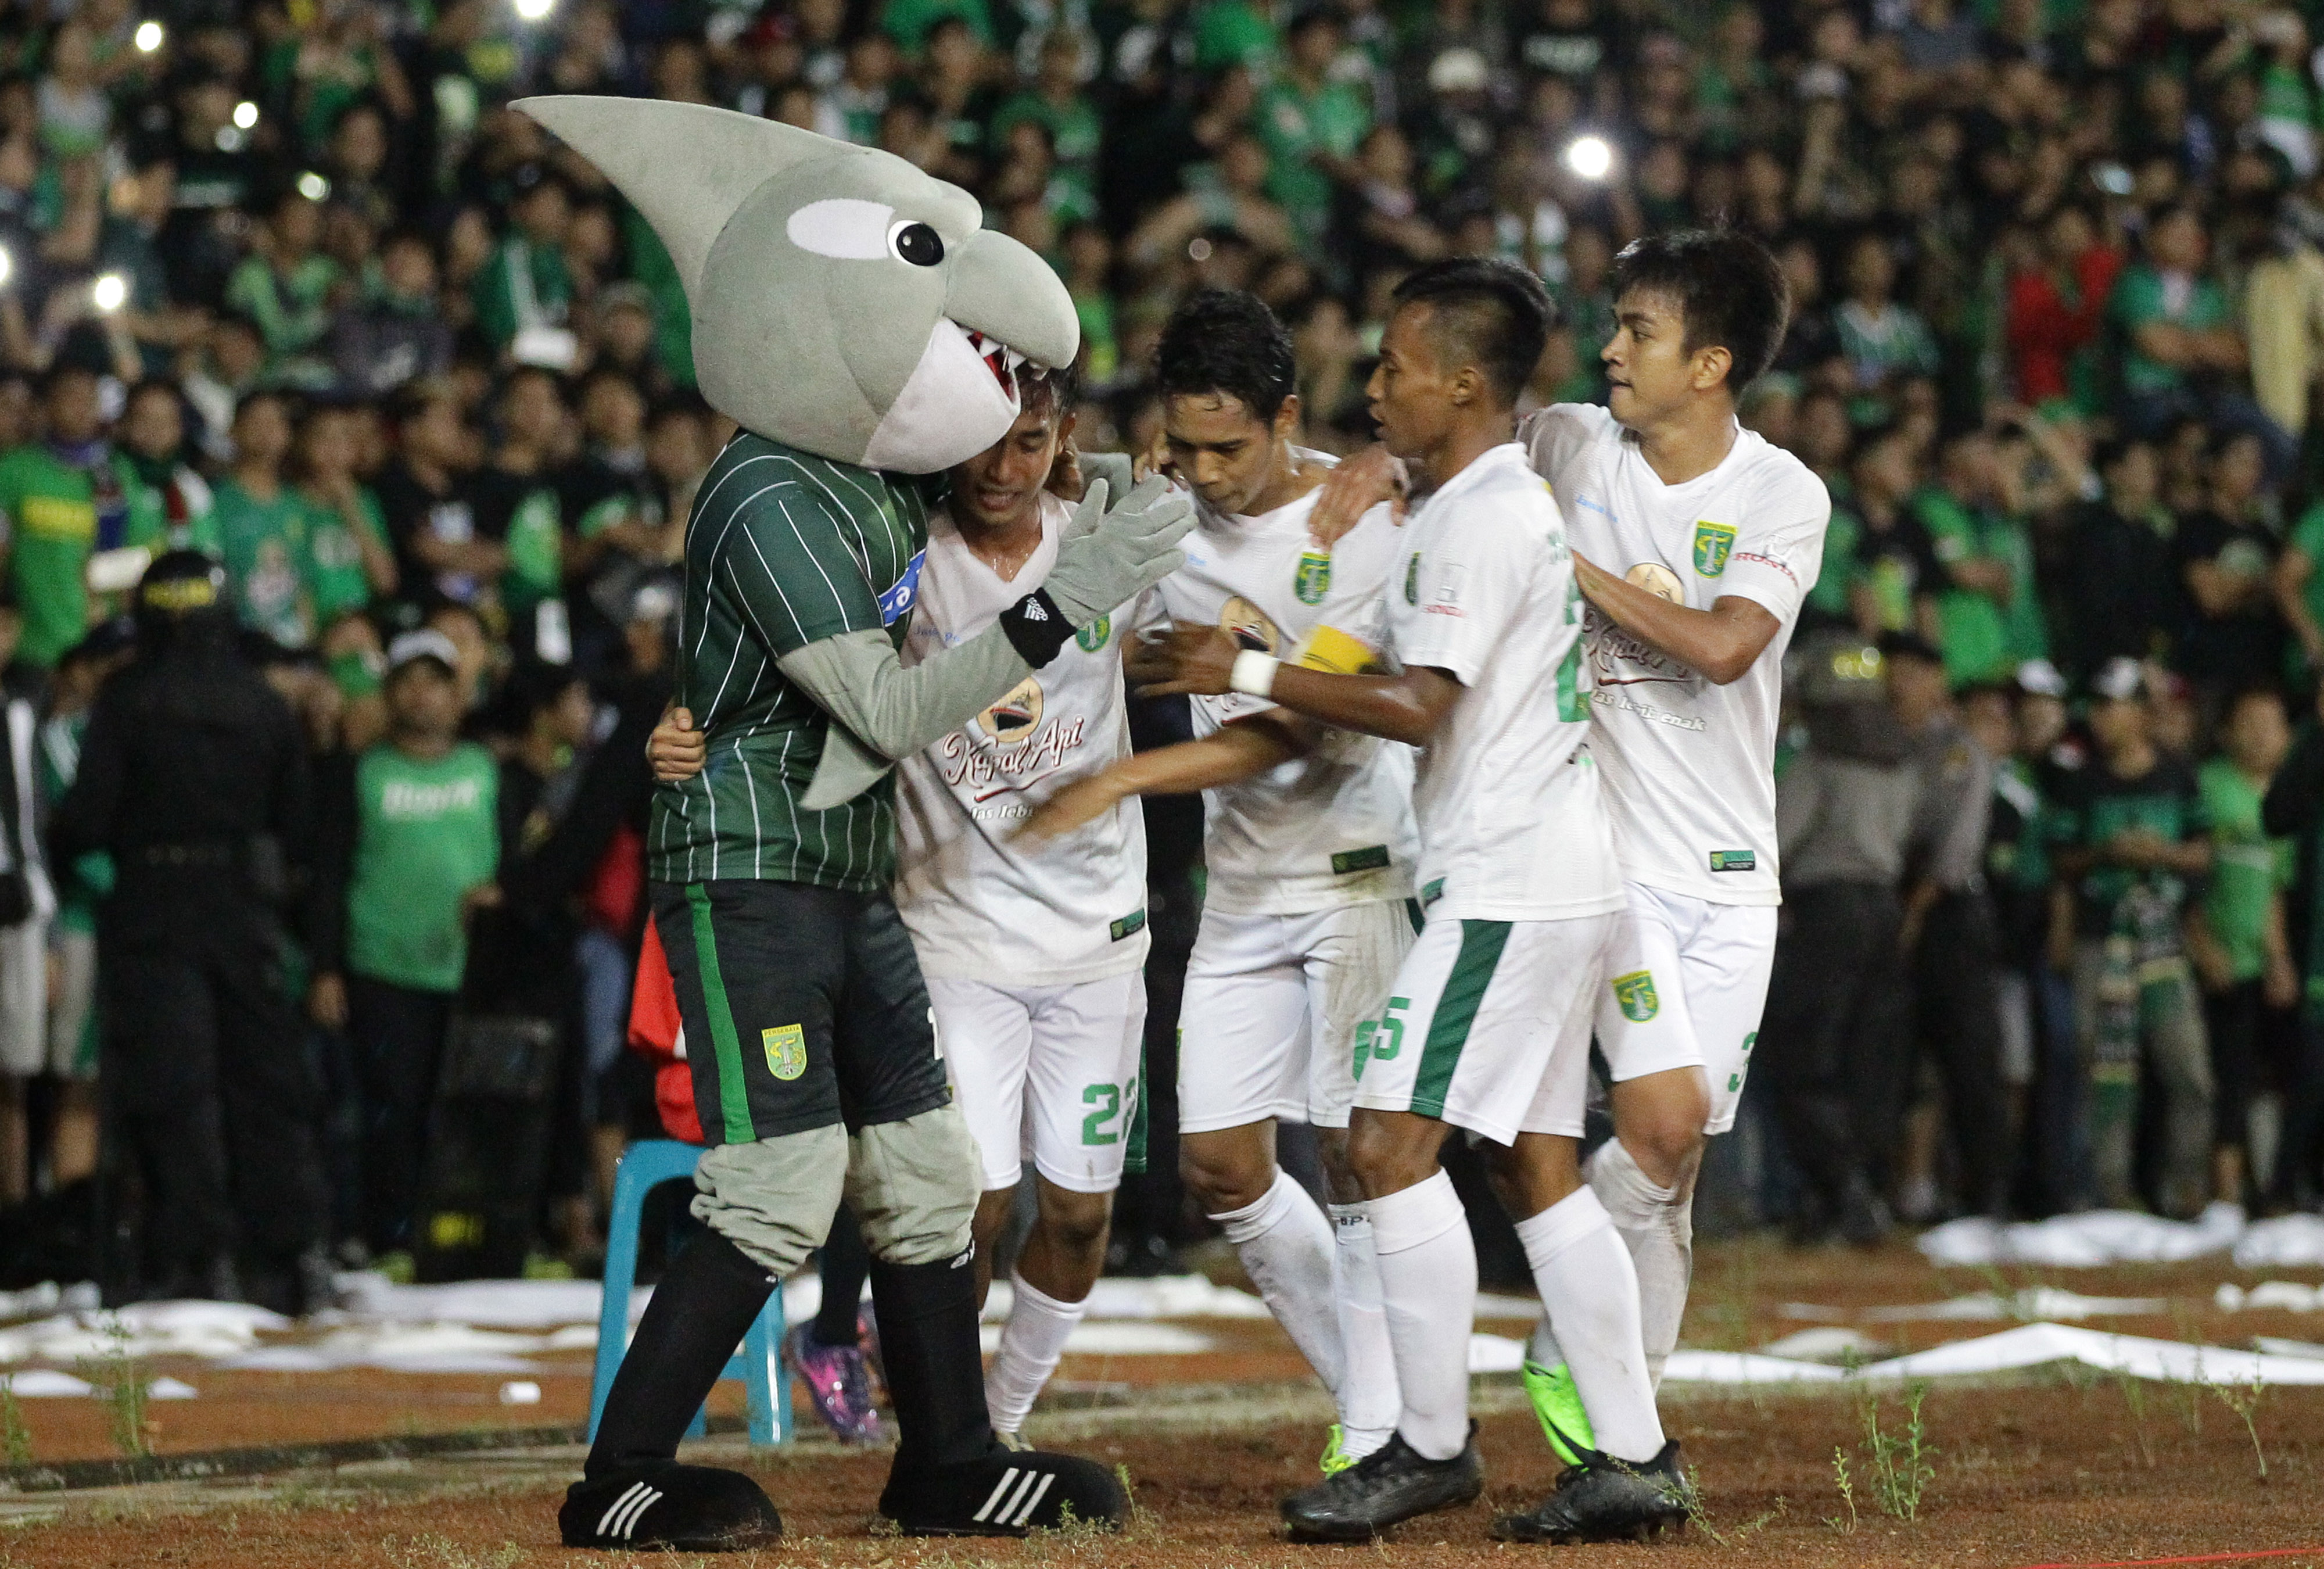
column 1989, row 616
column 65, row 499
column 1056, row 102
column 525, row 284
column 285, row 286
column 260, row 527
column 910, row 22
column 350, row 559
column 2181, row 353
column 2236, row 934
column 2298, row 582
column 1312, row 127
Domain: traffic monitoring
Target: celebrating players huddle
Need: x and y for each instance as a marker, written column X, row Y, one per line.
column 1485, row 775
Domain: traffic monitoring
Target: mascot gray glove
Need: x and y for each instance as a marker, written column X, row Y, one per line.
column 1105, row 558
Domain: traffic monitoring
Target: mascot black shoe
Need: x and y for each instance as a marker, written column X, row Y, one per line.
column 661, row 1505
column 1006, row 1494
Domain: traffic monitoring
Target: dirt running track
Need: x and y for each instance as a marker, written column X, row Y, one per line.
column 2033, row 1472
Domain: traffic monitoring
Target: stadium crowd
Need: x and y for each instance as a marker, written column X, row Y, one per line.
column 291, row 285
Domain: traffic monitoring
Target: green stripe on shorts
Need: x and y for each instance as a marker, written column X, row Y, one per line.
column 1413, row 913
column 734, row 1095
column 1482, row 942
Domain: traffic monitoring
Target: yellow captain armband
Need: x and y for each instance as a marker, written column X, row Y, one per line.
column 1335, row 653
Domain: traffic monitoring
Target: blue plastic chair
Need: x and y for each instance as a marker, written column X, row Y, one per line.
column 647, row 1165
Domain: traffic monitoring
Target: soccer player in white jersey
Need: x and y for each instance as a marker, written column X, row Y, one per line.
column 1695, row 542
column 1487, row 1028
column 1033, row 952
column 1308, row 847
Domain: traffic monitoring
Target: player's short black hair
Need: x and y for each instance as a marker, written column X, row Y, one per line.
column 1223, row 340
column 1496, row 313
column 1050, row 393
column 1731, row 293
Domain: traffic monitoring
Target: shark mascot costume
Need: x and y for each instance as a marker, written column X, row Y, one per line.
column 853, row 317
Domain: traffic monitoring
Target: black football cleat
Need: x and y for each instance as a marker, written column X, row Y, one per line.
column 1007, row 1493
column 1390, row 1485
column 1605, row 1500
column 661, row 1505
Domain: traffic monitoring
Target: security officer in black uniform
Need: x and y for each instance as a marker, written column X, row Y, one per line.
column 194, row 777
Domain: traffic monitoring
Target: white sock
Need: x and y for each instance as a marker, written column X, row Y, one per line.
column 1657, row 1225
column 1031, row 1342
column 1369, row 1401
column 1285, row 1244
column 1541, row 1346
column 1587, row 1282
column 1428, row 1286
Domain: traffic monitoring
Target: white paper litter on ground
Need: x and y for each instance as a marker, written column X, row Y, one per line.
column 1743, row 1367
column 2087, row 1240
column 506, row 1304
column 166, row 1388
column 195, row 1329
column 2277, row 1346
column 1119, row 1338
column 2033, row 1303
column 2029, row 1345
column 47, row 1297
column 46, row 1384
column 1495, row 1353
column 2285, row 1241
column 2288, row 1296
column 1828, row 1342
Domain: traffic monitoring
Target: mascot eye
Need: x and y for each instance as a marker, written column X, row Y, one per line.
column 918, row 243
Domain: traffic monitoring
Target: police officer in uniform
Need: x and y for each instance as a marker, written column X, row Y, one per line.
column 193, row 776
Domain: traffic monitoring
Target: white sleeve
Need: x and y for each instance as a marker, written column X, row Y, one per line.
column 1554, row 436
column 1779, row 553
column 1473, row 575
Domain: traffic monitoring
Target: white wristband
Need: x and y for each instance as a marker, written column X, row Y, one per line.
column 1253, row 674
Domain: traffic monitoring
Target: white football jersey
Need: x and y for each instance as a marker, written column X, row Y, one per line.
column 1334, row 828
column 980, row 905
column 1511, row 824
column 1690, row 765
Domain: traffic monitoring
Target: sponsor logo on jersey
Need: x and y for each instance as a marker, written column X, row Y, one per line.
column 1092, row 637
column 903, row 592
column 1128, row 926
column 1250, row 627
column 1657, row 580
column 1711, row 543
column 786, row 1048
column 1371, row 858
column 1412, row 579
column 1619, row 659
column 1734, row 861
column 1635, row 992
column 1313, row 580
column 1016, row 715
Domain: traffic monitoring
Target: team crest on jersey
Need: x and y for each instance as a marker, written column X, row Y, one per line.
column 1016, row 715
column 1092, row 637
column 786, row 1048
column 1659, row 580
column 1412, row 579
column 1313, row 581
column 1711, row 543
column 1250, row 627
column 1635, row 992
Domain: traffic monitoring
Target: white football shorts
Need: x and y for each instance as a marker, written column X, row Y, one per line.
column 1487, row 1027
column 1685, row 984
column 1049, row 1074
column 1271, row 1007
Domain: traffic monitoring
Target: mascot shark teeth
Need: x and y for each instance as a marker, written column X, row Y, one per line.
column 854, row 318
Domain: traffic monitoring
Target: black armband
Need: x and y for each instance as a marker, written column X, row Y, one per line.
column 1036, row 628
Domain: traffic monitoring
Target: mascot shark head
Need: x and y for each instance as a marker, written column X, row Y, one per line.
column 844, row 303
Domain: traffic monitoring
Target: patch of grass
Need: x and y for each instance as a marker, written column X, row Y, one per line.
column 2134, row 1396
column 16, row 1437
column 1847, row 1493
column 1143, row 1524
column 120, row 1383
column 1899, row 1464
column 1697, row 1515
column 443, row 1553
column 2243, row 1400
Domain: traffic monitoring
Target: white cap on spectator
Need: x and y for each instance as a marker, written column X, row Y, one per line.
column 1458, row 71
column 2119, row 678
column 2041, row 678
column 425, row 643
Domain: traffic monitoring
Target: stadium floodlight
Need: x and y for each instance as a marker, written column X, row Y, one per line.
column 313, row 186
column 148, row 37
column 534, row 10
column 110, row 292
column 246, row 114
column 1591, row 157
column 7, row 266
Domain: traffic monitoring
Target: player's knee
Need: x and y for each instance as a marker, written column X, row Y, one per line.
column 915, row 1187
column 1661, row 1121
column 1075, row 1223
column 1340, row 1183
column 1388, row 1154
column 1223, row 1175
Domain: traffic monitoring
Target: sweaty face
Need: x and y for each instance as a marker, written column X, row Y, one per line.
column 1648, row 370
column 1411, row 391
column 1002, row 485
column 1221, row 448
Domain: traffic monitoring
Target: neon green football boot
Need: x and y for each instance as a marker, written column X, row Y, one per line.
column 1335, row 1459
column 1558, row 1405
